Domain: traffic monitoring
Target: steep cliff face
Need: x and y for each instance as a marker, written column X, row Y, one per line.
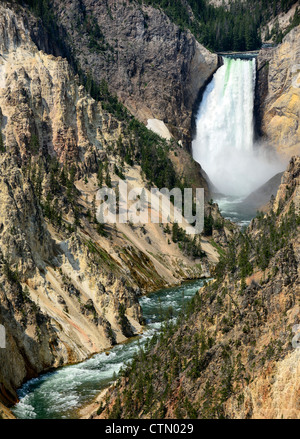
column 154, row 68
column 59, row 303
column 278, row 95
column 235, row 354
column 68, row 287
column 259, row 199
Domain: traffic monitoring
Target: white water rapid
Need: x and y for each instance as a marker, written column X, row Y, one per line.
column 224, row 142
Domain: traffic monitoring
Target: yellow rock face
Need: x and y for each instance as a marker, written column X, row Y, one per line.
column 75, row 281
column 282, row 104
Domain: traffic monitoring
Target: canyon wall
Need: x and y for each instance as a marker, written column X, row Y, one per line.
column 155, row 68
column 235, row 354
column 278, row 95
column 68, row 288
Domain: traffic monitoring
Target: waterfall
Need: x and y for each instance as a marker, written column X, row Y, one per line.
column 224, row 142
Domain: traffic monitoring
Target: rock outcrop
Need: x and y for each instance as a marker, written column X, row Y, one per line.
column 154, row 67
column 281, row 22
column 278, row 95
column 260, row 198
column 235, row 354
column 68, row 287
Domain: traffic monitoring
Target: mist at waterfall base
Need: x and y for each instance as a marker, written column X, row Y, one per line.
column 224, row 143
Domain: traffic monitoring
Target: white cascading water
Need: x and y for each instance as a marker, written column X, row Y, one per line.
column 224, row 143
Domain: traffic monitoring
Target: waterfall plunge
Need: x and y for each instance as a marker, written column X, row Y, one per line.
column 224, row 143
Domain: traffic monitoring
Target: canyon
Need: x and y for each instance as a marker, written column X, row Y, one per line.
column 234, row 355
column 73, row 114
column 154, row 67
column 63, row 286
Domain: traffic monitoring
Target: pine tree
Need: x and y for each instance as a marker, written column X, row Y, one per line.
column 2, row 146
column 143, row 199
column 175, row 231
column 100, row 175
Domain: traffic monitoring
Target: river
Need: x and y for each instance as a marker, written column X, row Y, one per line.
column 232, row 208
column 60, row 393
